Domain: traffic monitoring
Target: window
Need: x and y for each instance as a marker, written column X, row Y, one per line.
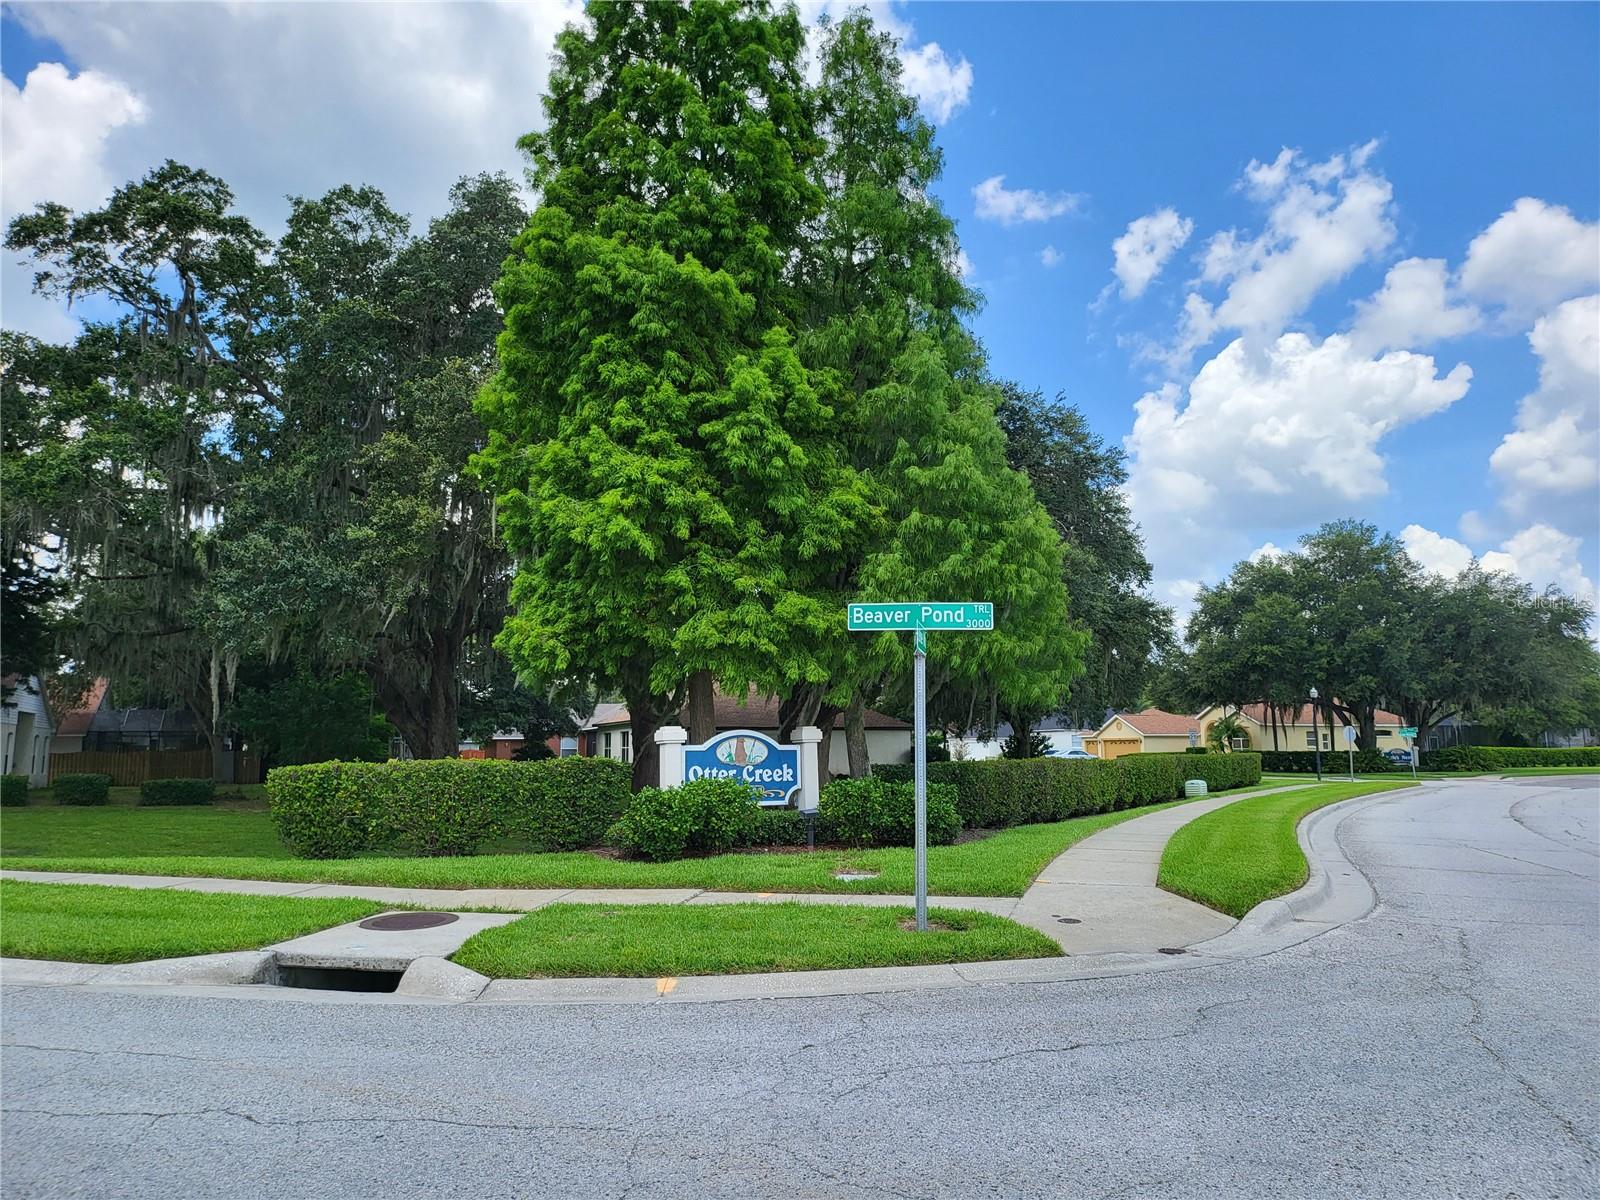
column 569, row 747
column 627, row 751
column 1240, row 743
column 1384, row 733
column 1311, row 739
column 605, row 741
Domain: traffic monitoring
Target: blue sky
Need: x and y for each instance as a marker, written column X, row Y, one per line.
column 1414, row 130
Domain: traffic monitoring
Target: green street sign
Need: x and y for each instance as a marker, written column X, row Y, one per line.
column 1408, row 731
column 922, row 614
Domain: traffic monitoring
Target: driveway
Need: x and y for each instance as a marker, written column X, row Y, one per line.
column 1444, row 1046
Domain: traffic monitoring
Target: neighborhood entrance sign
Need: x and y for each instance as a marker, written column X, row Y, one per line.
column 749, row 757
column 921, row 615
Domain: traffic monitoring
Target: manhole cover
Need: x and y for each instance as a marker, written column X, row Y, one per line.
column 1172, row 950
column 409, row 920
column 1069, row 920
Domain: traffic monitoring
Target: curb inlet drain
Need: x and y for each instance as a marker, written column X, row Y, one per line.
column 338, row 979
column 409, row 920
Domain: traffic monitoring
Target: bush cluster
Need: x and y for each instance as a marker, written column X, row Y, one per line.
column 705, row 816
column 1502, row 758
column 1303, row 762
column 13, row 791
column 877, row 812
column 445, row 806
column 177, row 791
column 996, row 793
column 81, row 789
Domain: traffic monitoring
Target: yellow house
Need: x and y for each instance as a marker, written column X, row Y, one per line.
column 1297, row 730
column 1151, row 731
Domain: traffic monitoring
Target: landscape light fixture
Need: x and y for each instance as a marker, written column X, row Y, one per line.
column 1316, row 733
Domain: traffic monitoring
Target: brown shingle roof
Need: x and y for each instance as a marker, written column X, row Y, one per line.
column 1303, row 716
column 76, row 722
column 1160, row 723
column 758, row 712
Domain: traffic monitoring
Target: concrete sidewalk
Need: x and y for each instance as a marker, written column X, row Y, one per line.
column 1098, row 896
column 1101, row 895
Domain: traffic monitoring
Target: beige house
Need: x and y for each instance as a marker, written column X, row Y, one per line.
column 1297, row 730
column 1152, row 731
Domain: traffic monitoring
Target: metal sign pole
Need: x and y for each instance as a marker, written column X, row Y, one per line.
column 919, row 733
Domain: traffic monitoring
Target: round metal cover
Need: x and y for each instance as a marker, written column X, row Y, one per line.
column 409, row 920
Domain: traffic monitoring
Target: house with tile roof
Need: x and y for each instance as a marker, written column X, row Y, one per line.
column 1295, row 729
column 1149, row 731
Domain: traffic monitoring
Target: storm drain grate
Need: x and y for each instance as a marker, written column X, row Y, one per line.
column 409, row 920
column 1069, row 920
column 1172, row 950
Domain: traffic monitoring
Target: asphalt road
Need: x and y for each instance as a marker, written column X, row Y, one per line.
column 1445, row 1046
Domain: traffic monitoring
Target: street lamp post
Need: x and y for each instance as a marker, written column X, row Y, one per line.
column 1316, row 732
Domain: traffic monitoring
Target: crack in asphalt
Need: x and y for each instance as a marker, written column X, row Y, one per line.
column 312, row 1122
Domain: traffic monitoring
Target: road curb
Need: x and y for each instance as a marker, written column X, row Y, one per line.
column 1335, row 894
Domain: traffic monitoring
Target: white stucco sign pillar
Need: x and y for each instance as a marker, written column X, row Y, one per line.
column 809, row 739
column 670, row 741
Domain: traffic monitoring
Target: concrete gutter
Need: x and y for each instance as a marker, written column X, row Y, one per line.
column 1335, row 894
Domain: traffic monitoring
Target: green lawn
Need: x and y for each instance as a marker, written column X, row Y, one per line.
column 87, row 923
column 1238, row 856
column 123, row 832
column 1548, row 771
column 1002, row 865
column 655, row 940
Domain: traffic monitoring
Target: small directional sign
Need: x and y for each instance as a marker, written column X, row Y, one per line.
column 1408, row 731
column 922, row 614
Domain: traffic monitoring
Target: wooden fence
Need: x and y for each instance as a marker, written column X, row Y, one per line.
column 129, row 768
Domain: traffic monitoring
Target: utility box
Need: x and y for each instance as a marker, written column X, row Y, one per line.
column 1194, row 787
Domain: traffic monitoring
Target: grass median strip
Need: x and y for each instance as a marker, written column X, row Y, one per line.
column 656, row 940
column 1236, row 857
column 1001, row 865
column 89, row 923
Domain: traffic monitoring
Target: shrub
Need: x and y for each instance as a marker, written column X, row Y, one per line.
column 13, row 791
column 774, row 827
column 567, row 803
column 446, row 805
column 1503, row 758
column 1222, row 771
column 707, row 815
column 177, row 791
column 81, row 789
column 1334, row 762
column 996, row 793
column 320, row 809
column 877, row 812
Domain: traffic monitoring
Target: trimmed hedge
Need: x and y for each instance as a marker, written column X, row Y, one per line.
column 13, row 791
column 1502, row 758
column 996, row 793
column 81, row 789
column 446, row 805
column 877, row 812
column 1334, row 762
column 705, row 815
column 177, row 791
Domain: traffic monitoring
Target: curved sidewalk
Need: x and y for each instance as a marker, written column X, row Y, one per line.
column 1095, row 897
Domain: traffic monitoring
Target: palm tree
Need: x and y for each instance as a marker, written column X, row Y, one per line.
column 1222, row 732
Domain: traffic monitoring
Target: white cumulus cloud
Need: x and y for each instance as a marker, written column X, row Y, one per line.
column 1412, row 308
column 1443, row 556
column 1543, row 555
column 1323, row 219
column 1552, row 455
column 1533, row 256
column 940, row 84
column 996, row 202
column 1285, row 435
column 1144, row 249
column 1050, row 256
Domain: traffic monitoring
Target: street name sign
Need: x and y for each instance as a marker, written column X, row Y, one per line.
column 922, row 614
column 1408, row 731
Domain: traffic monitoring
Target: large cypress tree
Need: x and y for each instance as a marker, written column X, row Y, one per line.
column 668, row 471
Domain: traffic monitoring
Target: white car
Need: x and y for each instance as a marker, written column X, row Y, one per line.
column 1077, row 754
